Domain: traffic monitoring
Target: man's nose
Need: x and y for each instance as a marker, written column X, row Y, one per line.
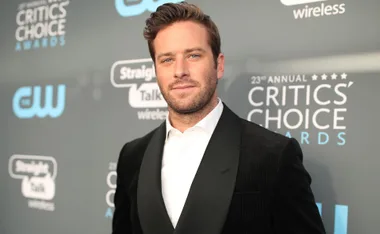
column 181, row 68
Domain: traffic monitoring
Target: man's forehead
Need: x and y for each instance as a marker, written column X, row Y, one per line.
column 183, row 32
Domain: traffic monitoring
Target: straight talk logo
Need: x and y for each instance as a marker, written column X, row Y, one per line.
column 319, row 8
column 138, row 75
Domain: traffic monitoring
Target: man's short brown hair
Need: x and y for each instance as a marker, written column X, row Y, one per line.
column 170, row 13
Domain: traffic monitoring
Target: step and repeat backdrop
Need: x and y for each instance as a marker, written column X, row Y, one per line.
column 77, row 82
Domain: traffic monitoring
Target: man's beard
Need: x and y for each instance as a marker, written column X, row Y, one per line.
column 198, row 103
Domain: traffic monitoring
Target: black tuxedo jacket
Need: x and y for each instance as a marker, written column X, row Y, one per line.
column 250, row 180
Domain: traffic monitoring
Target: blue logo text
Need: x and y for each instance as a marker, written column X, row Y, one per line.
column 340, row 220
column 27, row 102
column 139, row 7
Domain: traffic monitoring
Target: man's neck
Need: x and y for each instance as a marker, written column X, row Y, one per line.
column 185, row 121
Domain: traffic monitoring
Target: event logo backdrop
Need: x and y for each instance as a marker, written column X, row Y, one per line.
column 127, row 8
column 41, row 24
column 307, row 69
column 144, row 94
column 304, row 11
column 311, row 108
column 29, row 102
column 111, row 185
column 37, row 175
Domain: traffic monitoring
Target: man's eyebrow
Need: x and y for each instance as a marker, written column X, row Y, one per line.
column 186, row 51
column 164, row 54
column 194, row 49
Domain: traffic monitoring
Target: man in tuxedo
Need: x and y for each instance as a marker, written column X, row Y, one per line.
column 205, row 170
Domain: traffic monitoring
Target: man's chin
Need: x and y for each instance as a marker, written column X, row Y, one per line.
column 185, row 109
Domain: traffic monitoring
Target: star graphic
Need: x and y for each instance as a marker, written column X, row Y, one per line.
column 314, row 77
column 334, row 76
column 324, row 77
column 343, row 76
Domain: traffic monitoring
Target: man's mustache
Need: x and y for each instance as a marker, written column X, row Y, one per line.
column 183, row 83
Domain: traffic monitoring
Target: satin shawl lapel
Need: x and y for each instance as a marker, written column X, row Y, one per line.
column 210, row 195
column 151, row 207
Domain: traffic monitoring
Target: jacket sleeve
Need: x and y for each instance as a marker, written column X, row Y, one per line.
column 294, row 208
column 121, row 223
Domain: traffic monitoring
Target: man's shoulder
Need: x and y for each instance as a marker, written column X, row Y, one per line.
column 266, row 145
column 139, row 143
column 263, row 136
column 131, row 154
column 254, row 135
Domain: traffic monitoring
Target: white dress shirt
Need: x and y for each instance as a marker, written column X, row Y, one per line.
column 182, row 155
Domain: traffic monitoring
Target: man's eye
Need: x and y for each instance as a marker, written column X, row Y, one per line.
column 166, row 60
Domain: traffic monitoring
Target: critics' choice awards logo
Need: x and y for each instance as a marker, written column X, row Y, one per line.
column 128, row 8
column 37, row 175
column 41, row 24
column 304, row 9
column 311, row 108
column 144, row 94
column 37, row 101
column 111, row 186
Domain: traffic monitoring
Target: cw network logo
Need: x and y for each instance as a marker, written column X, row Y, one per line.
column 28, row 102
column 340, row 220
column 127, row 8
